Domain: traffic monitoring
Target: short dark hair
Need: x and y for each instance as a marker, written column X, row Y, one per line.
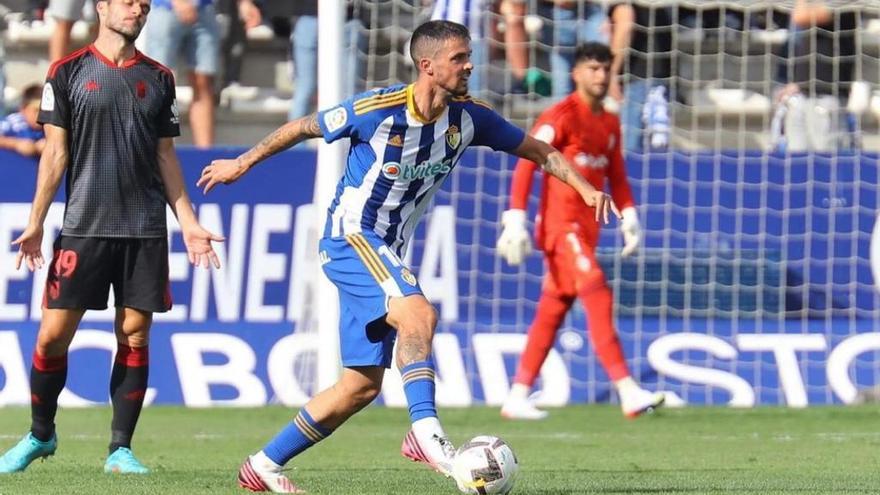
column 30, row 93
column 592, row 50
column 431, row 34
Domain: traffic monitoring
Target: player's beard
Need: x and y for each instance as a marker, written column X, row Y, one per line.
column 130, row 33
column 461, row 89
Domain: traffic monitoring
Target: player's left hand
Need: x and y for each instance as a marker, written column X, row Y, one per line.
column 631, row 230
column 198, row 246
column 221, row 172
column 603, row 204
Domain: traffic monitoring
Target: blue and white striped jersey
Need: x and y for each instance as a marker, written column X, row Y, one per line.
column 398, row 159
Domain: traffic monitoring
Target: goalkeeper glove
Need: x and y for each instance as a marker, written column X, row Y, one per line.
column 632, row 231
column 514, row 243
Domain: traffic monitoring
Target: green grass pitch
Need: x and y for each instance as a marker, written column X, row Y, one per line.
column 581, row 449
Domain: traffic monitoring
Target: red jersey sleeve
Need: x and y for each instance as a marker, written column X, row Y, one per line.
column 617, row 179
column 546, row 129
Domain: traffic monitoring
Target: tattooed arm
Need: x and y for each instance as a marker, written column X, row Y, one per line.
column 286, row 136
column 552, row 161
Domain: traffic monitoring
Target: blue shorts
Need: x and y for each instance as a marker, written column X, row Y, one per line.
column 167, row 39
column 368, row 274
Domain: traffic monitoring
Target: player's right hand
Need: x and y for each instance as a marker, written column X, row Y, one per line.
column 29, row 248
column 514, row 244
column 603, row 205
column 221, row 172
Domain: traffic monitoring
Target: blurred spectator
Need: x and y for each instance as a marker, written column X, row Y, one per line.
column 641, row 40
column 471, row 14
column 525, row 78
column 568, row 23
column 20, row 131
column 303, row 16
column 189, row 28
column 66, row 13
column 242, row 16
column 818, row 73
column 304, row 50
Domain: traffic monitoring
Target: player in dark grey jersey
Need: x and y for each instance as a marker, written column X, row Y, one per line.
column 110, row 118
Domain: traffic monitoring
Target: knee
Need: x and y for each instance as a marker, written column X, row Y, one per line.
column 133, row 337
column 362, row 394
column 416, row 318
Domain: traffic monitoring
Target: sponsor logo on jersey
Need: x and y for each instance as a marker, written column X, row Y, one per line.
column 396, row 141
column 48, row 102
column 394, row 170
column 584, row 160
column 92, row 86
column 453, row 137
column 141, row 89
column 335, row 119
column 408, row 277
column 391, row 170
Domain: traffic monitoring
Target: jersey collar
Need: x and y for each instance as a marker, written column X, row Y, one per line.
column 125, row 65
column 584, row 106
column 413, row 109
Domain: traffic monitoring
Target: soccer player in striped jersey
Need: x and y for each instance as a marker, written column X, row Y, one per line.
column 566, row 232
column 405, row 140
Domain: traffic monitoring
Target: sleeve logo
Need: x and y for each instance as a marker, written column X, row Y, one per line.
column 47, row 104
column 335, row 119
column 545, row 133
column 175, row 112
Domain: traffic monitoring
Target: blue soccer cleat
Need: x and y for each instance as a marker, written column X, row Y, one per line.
column 123, row 461
column 28, row 450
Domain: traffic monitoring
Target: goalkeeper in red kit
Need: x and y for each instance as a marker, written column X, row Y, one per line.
column 567, row 233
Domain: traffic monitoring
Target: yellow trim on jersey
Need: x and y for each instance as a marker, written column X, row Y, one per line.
column 463, row 99
column 413, row 109
column 369, row 257
column 379, row 101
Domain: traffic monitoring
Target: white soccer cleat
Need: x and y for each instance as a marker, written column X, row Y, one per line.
column 520, row 408
column 637, row 401
column 437, row 452
column 262, row 477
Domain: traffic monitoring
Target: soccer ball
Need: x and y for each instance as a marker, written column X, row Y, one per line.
column 485, row 465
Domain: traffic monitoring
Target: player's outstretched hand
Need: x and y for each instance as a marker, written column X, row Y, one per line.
column 198, row 246
column 220, row 172
column 603, row 204
column 29, row 248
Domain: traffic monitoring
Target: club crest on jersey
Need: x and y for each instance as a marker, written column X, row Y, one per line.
column 391, row 170
column 453, row 137
column 335, row 119
column 408, row 276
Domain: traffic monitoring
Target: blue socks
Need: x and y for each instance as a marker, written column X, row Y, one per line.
column 300, row 434
column 418, row 385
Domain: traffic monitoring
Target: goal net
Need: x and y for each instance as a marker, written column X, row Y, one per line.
column 751, row 139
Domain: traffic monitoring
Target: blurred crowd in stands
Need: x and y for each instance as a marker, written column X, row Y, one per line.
column 530, row 42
